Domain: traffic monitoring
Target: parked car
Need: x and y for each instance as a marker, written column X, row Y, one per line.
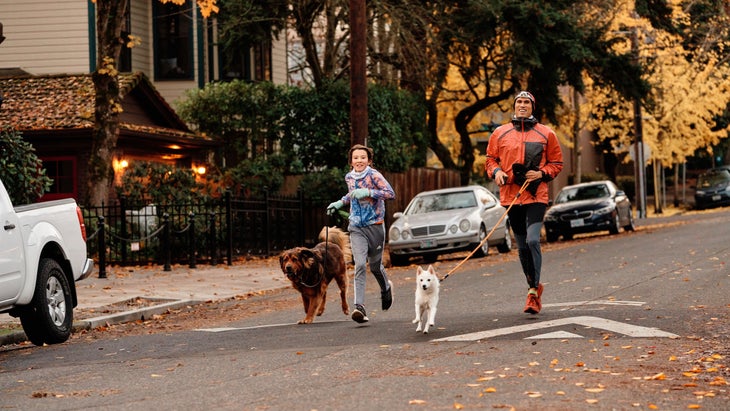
column 42, row 256
column 449, row 220
column 588, row 207
column 713, row 188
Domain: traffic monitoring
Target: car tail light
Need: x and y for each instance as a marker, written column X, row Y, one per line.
column 81, row 222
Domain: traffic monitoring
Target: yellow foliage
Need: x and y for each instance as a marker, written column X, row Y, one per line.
column 207, row 7
column 687, row 91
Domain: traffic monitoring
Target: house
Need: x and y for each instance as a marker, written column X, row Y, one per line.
column 178, row 49
column 49, row 49
column 55, row 113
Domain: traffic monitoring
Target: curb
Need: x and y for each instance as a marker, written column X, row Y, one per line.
column 18, row 337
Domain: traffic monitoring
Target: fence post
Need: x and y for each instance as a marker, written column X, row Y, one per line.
column 166, row 241
column 102, row 247
column 212, row 240
column 123, row 228
column 191, row 236
column 267, row 227
column 301, row 228
column 229, row 229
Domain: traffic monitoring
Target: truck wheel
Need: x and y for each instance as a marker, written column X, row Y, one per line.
column 49, row 317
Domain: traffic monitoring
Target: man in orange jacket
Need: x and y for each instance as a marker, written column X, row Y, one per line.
column 520, row 151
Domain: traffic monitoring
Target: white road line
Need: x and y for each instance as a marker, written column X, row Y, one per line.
column 586, row 321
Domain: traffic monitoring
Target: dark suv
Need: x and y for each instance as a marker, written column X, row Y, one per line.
column 713, row 188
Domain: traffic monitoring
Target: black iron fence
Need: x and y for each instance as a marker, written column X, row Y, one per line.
column 220, row 231
column 210, row 232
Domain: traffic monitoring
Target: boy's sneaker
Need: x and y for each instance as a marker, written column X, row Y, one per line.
column 358, row 314
column 386, row 297
column 532, row 305
column 539, row 296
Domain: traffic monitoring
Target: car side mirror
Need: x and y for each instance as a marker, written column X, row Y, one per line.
column 399, row 214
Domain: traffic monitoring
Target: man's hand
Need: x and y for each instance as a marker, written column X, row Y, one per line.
column 500, row 177
column 533, row 175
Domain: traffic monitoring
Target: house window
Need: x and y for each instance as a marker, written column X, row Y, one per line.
column 247, row 63
column 173, row 30
column 63, row 172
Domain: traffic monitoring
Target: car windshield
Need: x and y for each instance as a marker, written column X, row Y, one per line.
column 582, row 193
column 439, row 202
column 713, row 178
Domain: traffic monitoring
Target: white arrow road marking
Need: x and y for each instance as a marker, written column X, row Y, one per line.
column 554, row 335
column 587, row 321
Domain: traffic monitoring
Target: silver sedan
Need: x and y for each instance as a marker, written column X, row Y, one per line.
column 449, row 220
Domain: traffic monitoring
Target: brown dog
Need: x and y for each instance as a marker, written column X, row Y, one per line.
column 310, row 271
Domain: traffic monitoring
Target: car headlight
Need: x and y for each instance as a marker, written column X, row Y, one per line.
column 453, row 228
column 394, row 233
column 464, row 225
column 551, row 217
column 604, row 210
column 700, row 192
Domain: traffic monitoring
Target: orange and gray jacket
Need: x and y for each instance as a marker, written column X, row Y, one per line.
column 527, row 143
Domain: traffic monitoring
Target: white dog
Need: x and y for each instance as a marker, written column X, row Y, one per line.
column 427, row 298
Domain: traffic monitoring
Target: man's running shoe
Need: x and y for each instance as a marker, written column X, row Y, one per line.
column 532, row 305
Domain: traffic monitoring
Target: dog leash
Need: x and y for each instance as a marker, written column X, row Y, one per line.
column 522, row 189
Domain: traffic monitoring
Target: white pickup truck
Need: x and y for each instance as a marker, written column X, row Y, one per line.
column 42, row 255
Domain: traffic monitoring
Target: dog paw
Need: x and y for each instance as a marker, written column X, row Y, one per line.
column 415, row 321
column 425, row 331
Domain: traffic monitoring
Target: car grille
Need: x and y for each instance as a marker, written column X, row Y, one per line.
column 575, row 216
column 428, row 230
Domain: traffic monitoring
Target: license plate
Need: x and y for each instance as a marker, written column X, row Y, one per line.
column 577, row 223
column 428, row 243
column 716, row 197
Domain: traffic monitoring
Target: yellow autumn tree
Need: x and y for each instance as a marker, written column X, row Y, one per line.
column 689, row 89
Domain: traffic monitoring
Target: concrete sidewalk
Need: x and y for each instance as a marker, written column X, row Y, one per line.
column 117, row 298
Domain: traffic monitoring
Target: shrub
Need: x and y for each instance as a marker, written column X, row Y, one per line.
column 21, row 170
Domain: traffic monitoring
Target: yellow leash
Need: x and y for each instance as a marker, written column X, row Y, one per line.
column 524, row 186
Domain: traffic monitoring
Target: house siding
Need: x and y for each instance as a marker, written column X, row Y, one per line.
column 280, row 74
column 46, row 36
column 141, row 27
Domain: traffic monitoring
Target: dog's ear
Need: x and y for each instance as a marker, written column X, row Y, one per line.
column 307, row 257
column 431, row 269
column 419, row 270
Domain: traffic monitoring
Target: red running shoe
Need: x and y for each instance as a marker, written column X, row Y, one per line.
column 532, row 305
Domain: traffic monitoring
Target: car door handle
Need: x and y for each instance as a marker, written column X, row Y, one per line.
column 9, row 226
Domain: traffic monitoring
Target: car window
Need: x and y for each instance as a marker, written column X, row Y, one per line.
column 582, row 193
column 439, row 202
column 713, row 178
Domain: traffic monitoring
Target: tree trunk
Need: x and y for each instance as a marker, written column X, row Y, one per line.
column 109, row 19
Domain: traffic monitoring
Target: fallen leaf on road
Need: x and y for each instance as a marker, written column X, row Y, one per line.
column 416, row 402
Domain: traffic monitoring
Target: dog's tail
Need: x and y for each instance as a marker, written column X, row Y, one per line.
column 339, row 237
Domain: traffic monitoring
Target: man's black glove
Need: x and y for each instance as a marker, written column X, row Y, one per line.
column 519, row 171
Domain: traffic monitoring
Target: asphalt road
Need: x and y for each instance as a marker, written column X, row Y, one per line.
column 637, row 320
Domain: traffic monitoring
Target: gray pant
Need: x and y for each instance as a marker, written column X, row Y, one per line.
column 367, row 248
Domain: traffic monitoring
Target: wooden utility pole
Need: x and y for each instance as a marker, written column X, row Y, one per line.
column 358, row 83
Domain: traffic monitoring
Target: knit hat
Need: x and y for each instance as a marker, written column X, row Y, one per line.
column 525, row 94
